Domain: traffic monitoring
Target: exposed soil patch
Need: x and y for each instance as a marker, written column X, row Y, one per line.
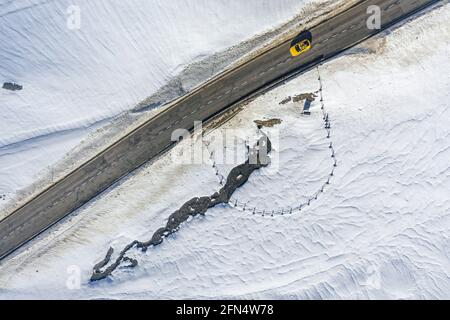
column 12, row 86
column 286, row 100
column 267, row 123
column 304, row 96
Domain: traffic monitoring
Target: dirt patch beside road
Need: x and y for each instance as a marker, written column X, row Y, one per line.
column 267, row 123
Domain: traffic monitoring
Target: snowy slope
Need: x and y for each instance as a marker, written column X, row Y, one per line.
column 75, row 80
column 380, row 229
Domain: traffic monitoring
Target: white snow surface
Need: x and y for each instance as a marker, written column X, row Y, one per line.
column 75, row 80
column 380, row 229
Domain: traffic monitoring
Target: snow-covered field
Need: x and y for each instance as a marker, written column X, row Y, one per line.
column 77, row 77
column 380, row 229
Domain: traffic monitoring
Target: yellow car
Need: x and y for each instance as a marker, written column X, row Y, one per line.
column 301, row 43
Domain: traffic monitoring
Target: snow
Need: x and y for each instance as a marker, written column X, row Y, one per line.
column 75, row 80
column 379, row 230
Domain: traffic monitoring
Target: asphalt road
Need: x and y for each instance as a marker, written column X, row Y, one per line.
column 154, row 137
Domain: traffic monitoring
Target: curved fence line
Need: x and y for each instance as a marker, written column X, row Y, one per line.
column 248, row 207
